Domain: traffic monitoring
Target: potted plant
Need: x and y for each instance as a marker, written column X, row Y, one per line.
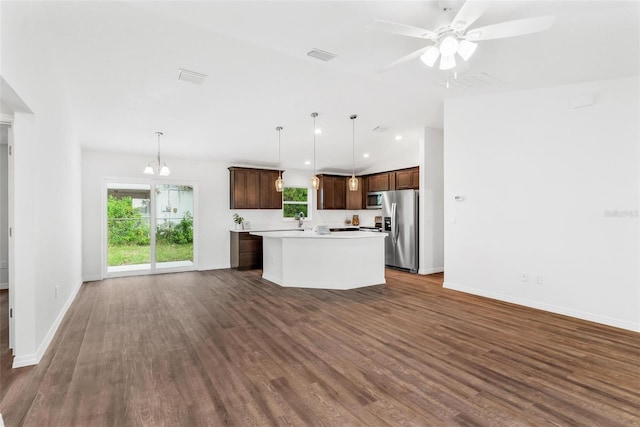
column 239, row 221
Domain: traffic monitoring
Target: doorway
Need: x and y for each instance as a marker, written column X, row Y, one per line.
column 149, row 228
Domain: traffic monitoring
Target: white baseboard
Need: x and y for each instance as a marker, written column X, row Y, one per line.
column 34, row 358
column 592, row 317
column 431, row 270
column 212, row 267
column 4, row 286
column 93, row 278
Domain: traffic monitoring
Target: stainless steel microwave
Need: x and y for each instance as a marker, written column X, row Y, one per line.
column 374, row 200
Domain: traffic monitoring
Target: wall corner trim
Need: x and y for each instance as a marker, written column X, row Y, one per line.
column 34, row 358
column 425, row 271
column 591, row 317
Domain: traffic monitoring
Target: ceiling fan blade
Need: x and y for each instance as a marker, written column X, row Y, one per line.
column 468, row 14
column 518, row 27
column 406, row 58
column 402, row 29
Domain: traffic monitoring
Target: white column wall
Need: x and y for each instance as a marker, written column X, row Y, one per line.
column 551, row 193
column 47, row 266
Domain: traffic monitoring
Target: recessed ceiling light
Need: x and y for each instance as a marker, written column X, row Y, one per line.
column 398, row 137
column 318, row 131
column 308, row 162
column 365, row 155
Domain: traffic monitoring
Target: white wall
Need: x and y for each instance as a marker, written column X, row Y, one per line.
column 46, row 184
column 431, row 251
column 214, row 217
column 540, row 180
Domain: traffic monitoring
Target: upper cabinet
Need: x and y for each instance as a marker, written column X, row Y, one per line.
column 253, row 189
column 404, row 179
column 332, row 193
column 408, row 179
column 378, row 182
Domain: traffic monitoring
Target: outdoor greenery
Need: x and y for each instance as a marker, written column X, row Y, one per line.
column 135, row 254
column 294, row 201
column 129, row 235
column 170, row 232
column 125, row 224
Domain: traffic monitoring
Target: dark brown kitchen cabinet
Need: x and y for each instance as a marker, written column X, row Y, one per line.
column 378, row 182
column 408, row 179
column 354, row 198
column 246, row 251
column 253, row 189
column 269, row 197
column 332, row 193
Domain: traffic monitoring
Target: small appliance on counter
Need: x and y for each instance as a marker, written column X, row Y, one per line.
column 355, row 221
column 378, row 222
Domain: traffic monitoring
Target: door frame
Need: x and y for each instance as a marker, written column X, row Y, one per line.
column 152, row 182
column 7, row 119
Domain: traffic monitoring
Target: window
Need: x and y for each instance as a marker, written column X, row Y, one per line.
column 294, row 201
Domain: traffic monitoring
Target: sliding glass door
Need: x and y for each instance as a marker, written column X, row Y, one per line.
column 174, row 226
column 149, row 228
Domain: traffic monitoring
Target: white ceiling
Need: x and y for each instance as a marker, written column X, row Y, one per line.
column 121, row 60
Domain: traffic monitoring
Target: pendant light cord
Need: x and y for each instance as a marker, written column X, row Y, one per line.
column 314, row 115
column 279, row 128
column 159, row 164
column 353, row 146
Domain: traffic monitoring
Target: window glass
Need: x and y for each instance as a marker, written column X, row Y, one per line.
column 295, row 200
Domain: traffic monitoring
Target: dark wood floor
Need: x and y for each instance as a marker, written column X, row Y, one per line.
column 227, row 348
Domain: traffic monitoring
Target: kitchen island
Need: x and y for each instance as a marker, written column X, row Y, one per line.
column 306, row 259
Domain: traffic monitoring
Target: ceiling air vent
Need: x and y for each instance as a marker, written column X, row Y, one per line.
column 191, row 76
column 321, row 55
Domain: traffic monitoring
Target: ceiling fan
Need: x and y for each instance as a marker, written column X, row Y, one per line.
column 456, row 37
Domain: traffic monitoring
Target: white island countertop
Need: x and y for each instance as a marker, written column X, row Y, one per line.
column 310, row 234
column 337, row 260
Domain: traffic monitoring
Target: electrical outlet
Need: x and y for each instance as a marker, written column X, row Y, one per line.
column 538, row 279
column 56, row 291
column 524, row 277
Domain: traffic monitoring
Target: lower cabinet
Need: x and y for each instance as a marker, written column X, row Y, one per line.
column 246, row 251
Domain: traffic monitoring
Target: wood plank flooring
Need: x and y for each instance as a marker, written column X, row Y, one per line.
column 227, row 348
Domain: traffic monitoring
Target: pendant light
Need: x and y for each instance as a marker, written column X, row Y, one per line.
column 315, row 181
column 160, row 167
column 279, row 181
column 353, row 181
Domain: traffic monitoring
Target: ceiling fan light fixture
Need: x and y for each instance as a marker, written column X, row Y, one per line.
column 448, row 46
column 466, row 49
column 430, row 56
column 447, row 62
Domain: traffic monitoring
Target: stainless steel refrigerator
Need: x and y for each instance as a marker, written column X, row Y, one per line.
column 400, row 221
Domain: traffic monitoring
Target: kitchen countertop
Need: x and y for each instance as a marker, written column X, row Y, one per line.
column 309, row 234
column 250, row 230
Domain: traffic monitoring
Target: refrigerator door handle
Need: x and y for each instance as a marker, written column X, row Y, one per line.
column 394, row 223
